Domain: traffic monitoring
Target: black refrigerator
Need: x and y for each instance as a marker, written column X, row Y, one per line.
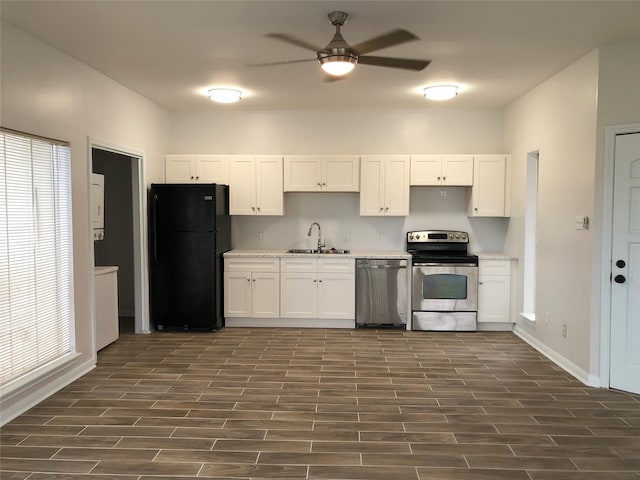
column 189, row 230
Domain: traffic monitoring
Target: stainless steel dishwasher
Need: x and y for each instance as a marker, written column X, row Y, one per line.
column 381, row 292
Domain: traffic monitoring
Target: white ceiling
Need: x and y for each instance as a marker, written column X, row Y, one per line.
column 172, row 51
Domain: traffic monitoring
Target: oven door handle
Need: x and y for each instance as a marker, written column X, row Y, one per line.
column 383, row 267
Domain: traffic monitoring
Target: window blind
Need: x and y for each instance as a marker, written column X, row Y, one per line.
column 36, row 262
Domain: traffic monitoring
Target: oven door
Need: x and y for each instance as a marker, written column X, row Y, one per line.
column 445, row 288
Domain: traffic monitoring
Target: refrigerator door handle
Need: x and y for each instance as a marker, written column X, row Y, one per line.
column 155, row 228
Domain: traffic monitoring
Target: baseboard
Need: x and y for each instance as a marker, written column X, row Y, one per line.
column 555, row 357
column 289, row 322
column 38, row 394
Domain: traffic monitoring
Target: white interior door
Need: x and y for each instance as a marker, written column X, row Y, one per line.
column 625, row 268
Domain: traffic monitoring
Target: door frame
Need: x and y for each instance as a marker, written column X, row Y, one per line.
column 139, row 206
column 607, row 245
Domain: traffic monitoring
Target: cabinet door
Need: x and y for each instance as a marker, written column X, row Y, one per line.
column 242, row 185
column 396, row 186
column 212, row 169
column 488, row 192
column 269, row 192
column 336, row 295
column 372, row 185
column 179, row 168
column 493, row 298
column 265, row 295
column 298, row 295
column 426, row 170
column 237, row 294
column 302, row 173
column 341, row 173
column 457, row 170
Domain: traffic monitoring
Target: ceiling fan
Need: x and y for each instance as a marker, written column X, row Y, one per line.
column 339, row 58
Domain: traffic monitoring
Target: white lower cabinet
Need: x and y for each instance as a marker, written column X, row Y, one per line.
column 494, row 281
column 251, row 287
column 317, row 288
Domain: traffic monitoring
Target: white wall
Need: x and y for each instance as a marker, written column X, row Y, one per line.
column 47, row 93
column 618, row 104
column 344, row 132
column 558, row 118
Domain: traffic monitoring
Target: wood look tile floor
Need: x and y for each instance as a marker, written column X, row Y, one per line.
column 325, row 404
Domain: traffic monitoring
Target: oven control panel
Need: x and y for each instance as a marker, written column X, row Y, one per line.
column 437, row 236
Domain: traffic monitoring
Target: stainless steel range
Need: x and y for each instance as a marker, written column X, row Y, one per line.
column 444, row 291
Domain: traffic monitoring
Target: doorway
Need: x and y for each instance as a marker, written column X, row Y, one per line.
column 620, row 333
column 124, row 233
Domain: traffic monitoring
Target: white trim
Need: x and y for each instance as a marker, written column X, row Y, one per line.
column 529, row 317
column 555, row 357
column 37, row 395
column 607, row 245
column 139, row 194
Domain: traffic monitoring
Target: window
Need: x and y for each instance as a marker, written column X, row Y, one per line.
column 530, row 241
column 36, row 271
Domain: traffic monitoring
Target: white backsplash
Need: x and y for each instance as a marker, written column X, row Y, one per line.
column 343, row 227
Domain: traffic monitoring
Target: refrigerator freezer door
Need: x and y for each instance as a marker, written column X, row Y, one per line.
column 183, row 208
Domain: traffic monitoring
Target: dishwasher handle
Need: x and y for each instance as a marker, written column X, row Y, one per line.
column 383, row 267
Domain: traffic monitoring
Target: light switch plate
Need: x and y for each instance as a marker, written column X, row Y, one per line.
column 582, row 222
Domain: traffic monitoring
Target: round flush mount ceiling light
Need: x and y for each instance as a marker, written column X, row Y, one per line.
column 440, row 92
column 225, row 95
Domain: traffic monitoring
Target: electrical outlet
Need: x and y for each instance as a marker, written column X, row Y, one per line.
column 261, row 237
column 564, row 330
column 347, row 236
column 378, row 237
column 443, row 194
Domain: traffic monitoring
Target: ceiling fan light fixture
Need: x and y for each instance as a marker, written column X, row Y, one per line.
column 337, row 65
column 225, row 95
column 440, row 92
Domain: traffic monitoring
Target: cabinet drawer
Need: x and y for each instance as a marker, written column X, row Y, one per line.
column 299, row 264
column 251, row 264
column 494, row 267
column 336, row 265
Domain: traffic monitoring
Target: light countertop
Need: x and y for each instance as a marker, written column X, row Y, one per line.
column 495, row 256
column 351, row 254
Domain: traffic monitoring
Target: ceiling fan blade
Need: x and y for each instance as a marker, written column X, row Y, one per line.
column 394, row 37
column 285, row 62
column 295, row 41
column 406, row 63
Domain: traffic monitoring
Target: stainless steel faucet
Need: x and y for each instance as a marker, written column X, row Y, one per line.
column 320, row 244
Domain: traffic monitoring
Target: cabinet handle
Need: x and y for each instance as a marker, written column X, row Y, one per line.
column 319, row 184
column 480, row 283
column 248, row 279
column 438, row 178
column 254, row 279
column 314, row 280
column 320, row 281
column 444, row 178
column 381, row 209
column 253, row 209
column 476, row 209
column 386, row 209
column 197, row 177
column 191, row 177
column 324, row 184
column 258, row 208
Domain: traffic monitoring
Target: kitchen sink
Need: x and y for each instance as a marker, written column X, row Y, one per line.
column 321, row 252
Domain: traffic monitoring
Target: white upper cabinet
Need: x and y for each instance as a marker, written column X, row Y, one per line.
column 384, row 185
column 451, row 170
column 255, row 185
column 196, row 169
column 315, row 173
column 490, row 191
